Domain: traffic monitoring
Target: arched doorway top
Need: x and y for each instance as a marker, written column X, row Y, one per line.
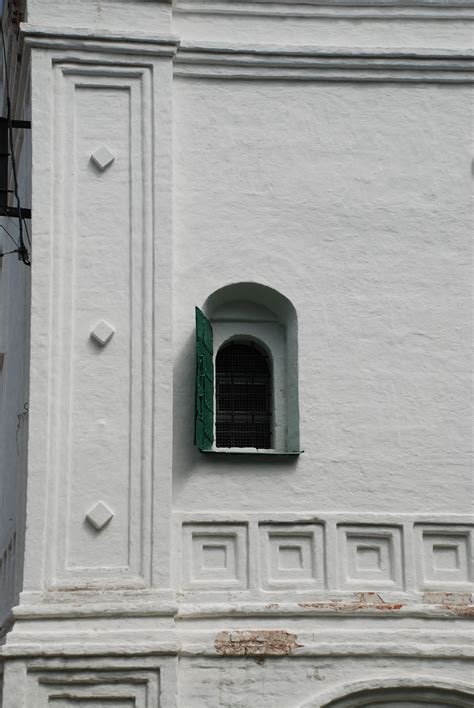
column 377, row 691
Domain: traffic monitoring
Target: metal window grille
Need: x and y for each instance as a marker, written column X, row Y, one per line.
column 243, row 397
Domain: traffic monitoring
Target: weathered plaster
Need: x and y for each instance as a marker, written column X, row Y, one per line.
column 321, row 150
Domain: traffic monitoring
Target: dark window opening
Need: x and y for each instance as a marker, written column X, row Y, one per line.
column 243, row 397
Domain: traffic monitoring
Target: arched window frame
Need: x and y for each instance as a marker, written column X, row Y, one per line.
column 249, row 311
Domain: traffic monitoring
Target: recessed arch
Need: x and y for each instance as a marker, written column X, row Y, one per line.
column 389, row 691
column 269, row 300
column 250, row 311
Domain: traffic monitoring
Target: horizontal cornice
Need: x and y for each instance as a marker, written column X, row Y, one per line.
column 336, row 9
column 324, row 63
column 267, row 62
column 140, row 43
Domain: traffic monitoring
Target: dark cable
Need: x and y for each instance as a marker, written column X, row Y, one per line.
column 26, row 231
column 22, row 250
column 17, row 250
column 10, row 236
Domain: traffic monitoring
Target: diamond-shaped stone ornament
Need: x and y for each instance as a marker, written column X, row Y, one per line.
column 102, row 157
column 99, row 515
column 102, row 333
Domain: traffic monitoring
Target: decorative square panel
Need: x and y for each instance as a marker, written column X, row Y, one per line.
column 370, row 557
column 444, row 555
column 215, row 557
column 292, row 556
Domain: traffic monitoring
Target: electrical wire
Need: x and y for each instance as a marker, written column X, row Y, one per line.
column 17, row 250
column 10, row 236
column 23, row 254
column 26, row 231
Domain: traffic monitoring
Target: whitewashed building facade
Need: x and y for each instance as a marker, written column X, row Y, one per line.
column 301, row 172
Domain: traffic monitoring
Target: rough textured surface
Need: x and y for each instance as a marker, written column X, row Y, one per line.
column 256, row 643
column 320, row 154
column 370, row 183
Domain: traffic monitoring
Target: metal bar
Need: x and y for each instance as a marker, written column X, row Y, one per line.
column 25, row 124
column 13, row 211
column 4, row 154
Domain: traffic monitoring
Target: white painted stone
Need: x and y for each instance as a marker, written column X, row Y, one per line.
column 102, row 333
column 292, row 556
column 319, row 151
column 370, row 558
column 99, row 515
column 444, row 557
column 215, row 558
column 102, row 158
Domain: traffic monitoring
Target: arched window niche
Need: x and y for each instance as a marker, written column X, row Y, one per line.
column 247, row 372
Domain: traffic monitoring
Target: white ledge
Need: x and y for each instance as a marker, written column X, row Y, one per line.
column 323, row 609
column 274, row 62
column 333, row 9
column 103, row 40
column 250, row 451
column 325, row 51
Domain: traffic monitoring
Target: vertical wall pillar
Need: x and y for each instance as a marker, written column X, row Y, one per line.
column 98, row 500
column 101, row 311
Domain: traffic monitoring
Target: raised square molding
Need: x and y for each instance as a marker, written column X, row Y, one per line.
column 444, row 557
column 292, row 555
column 99, row 515
column 102, row 333
column 102, row 158
column 215, row 557
column 370, row 557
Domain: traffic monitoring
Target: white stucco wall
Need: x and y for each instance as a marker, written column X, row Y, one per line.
column 351, row 200
column 321, row 150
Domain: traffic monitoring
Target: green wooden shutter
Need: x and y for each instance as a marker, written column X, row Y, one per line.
column 204, row 418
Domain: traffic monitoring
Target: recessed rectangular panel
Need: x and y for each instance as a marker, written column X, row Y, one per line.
column 102, row 294
column 370, row 557
column 101, row 376
column 444, row 557
column 118, row 687
column 292, row 556
column 215, row 557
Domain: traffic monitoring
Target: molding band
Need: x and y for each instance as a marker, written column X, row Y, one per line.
column 321, row 609
column 323, row 63
column 268, row 62
column 336, row 10
column 103, row 41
